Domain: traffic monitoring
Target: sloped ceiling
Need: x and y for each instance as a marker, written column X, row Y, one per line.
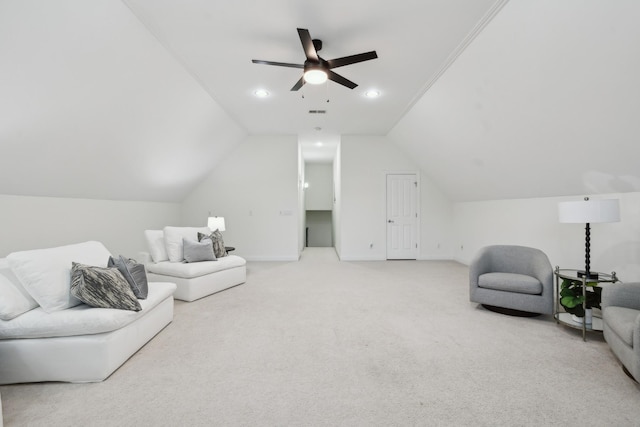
column 216, row 41
column 544, row 102
column 140, row 99
column 92, row 106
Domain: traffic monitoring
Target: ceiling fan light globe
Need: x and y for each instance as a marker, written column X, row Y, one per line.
column 315, row 76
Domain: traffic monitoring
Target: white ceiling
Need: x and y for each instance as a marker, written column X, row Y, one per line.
column 216, row 41
column 141, row 99
column 92, row 106
column 545, row 102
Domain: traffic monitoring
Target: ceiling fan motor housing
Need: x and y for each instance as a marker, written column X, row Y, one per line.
column 313, row 65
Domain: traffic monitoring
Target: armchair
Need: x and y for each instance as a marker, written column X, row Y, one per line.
column 621, row 324
column 512, row 279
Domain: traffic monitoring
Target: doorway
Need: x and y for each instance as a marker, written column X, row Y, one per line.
column 402, row 216
column 318, row 199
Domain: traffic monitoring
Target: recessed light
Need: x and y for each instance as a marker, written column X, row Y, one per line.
column 319, row 144
column 372, row 93
column 261, row 93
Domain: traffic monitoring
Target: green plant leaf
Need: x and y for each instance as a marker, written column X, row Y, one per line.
column 566, row 293
column 571, row 301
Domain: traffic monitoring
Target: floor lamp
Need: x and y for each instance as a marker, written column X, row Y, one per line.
column 589, row 212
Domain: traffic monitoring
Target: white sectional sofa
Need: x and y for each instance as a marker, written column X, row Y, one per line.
column 165, row 263
column 48, row 335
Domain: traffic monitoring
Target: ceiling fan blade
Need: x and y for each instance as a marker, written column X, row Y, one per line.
column 353, row 59
column 341, row 80
column 298, row 84
column 307, row 45
column 279, row 64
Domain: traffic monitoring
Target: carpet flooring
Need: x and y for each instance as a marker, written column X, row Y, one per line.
column 321, row 342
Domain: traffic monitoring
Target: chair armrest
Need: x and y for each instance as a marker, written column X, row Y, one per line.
column 543, row 271
column 480, row 264
column 621, row 295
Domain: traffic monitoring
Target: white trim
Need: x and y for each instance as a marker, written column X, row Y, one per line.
column 484, row 21
column 270, row 258
column 436, row 258
column 362, row 258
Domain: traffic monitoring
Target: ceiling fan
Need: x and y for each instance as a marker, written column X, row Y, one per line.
column 316, row 69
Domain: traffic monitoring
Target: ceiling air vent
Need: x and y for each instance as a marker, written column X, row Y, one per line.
column 317, row 111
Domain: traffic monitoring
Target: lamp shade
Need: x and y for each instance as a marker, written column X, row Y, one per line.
column 216, row 223
column 589, row 211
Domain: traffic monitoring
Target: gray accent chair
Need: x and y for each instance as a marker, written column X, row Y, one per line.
column 511, row 277
column 621, row 324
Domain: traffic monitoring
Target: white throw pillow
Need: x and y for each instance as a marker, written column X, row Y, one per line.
column 14, row 299
column 155, row 242
column 173, row 240
column 46, row 273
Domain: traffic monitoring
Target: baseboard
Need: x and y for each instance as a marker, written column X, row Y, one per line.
column 270, row 258
column 435, row 258
column 361, row 258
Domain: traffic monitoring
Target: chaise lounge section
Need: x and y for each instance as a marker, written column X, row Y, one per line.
column 194, row 280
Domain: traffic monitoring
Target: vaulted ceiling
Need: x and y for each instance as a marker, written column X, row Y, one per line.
column 140, row 99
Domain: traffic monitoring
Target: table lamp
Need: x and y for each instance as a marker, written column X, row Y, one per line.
column 589, row 212
column 216, row 223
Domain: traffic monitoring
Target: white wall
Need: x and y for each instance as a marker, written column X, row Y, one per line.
column 301, row 201
column 41, row 222
column 256, row 190
column 534, row 222
column 319, row 194
column 337, row 200
column 365, row 161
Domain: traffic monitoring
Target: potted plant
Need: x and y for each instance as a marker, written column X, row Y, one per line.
column 572, row 298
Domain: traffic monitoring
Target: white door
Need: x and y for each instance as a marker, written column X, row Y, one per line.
column 402, row 216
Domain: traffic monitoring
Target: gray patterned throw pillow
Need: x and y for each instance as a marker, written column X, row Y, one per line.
column 102, row 287
column 218, row 243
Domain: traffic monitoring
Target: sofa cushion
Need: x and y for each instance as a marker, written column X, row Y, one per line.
column 81, row 319
column 14, row 298
column 510, row 282
column 102, row 287
column 197, row 269
column 155, row 242
column 134, row 273
column 198, row 251
column 621, row 320
column 217, row 242
column 46, row 273
column 173, row 240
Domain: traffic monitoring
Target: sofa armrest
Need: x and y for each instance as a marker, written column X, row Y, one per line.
column 621, row 295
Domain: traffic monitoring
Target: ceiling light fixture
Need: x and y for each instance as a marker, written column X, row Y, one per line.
column 315, row 75
column 261, row 93
column 372, row 93
column 319, row 144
